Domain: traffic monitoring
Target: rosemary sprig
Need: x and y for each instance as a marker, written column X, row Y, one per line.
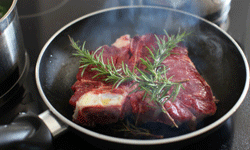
column 135, row 131
column 152, row 80
column 113, row 74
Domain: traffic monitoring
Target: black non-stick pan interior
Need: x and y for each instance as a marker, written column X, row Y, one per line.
column 214, row 54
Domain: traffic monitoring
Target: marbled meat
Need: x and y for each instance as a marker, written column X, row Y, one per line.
column 95, row 101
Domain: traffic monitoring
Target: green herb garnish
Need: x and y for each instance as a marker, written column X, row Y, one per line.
column 152, row 80
column 133, row 131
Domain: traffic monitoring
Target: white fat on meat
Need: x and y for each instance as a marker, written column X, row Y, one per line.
column 122, row 41
column 92, row 99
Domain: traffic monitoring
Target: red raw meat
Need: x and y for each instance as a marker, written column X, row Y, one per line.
column 96, row 103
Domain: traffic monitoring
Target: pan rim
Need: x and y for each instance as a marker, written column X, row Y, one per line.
column 136, row 141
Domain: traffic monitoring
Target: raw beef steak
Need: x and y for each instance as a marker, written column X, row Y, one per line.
column 96, row 102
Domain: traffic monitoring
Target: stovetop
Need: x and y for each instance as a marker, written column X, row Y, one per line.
column 40, row 19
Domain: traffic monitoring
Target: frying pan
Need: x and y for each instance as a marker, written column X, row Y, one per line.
column 217, row 57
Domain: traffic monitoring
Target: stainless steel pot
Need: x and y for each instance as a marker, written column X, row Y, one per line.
column 215, row 11
column 13, row 57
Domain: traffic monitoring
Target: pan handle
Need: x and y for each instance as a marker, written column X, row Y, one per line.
column 29, row 131
column 55, row 125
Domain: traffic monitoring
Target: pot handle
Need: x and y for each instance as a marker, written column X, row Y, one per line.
column 29, row 131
